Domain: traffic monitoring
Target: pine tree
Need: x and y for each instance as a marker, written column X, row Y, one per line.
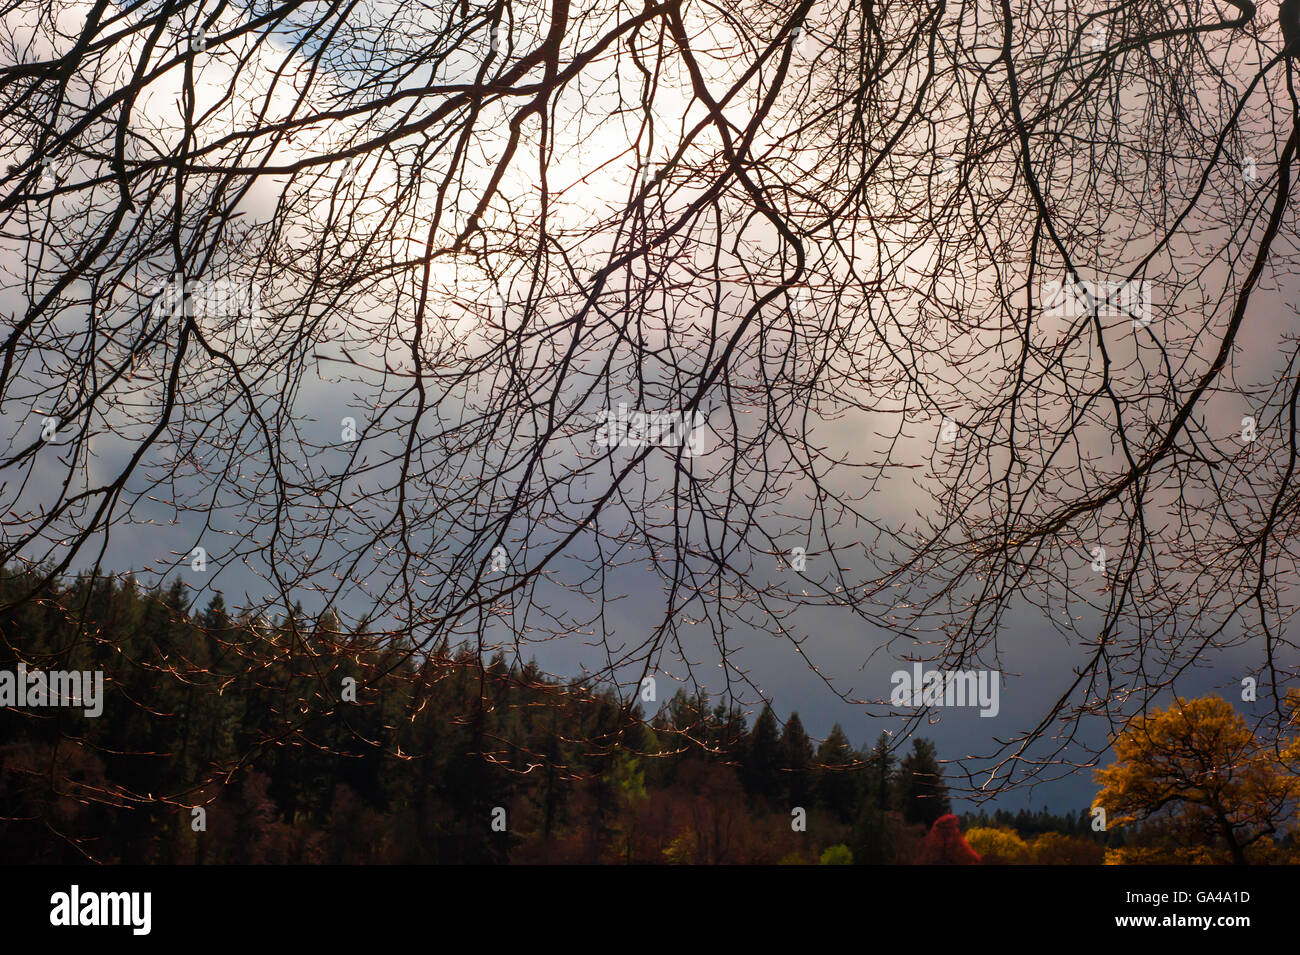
column 880, row 774
column 836, row 785
column 796, row 755
column 761, row 772
column 919, row 791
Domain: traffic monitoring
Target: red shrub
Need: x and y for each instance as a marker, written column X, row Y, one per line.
column 945, row 845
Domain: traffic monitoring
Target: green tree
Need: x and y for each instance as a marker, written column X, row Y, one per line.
column 761, row 769
column 796, row 757
column 629, row 782
column 837, row 855
column 837, row 784
column 920, row 793
column 879, row 774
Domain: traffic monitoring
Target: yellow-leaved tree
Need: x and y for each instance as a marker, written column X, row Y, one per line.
column 1000, row 846
column 1198, row 768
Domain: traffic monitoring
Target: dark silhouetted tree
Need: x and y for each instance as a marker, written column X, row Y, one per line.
column 919, row 790
column 796, row 758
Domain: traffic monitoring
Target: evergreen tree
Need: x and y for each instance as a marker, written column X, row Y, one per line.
column 879, row 774
column 761, row 769
column 796, row 757
column 920, row 793
column 837, row 785
column 214, row 618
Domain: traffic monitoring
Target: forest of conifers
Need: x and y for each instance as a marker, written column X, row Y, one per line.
column 438, row 759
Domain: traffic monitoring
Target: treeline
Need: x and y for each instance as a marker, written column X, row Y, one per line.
column 1029, row 823
column 232, row 741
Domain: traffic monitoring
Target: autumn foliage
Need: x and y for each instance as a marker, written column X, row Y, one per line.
column 1204, row 780
column 945, row 844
